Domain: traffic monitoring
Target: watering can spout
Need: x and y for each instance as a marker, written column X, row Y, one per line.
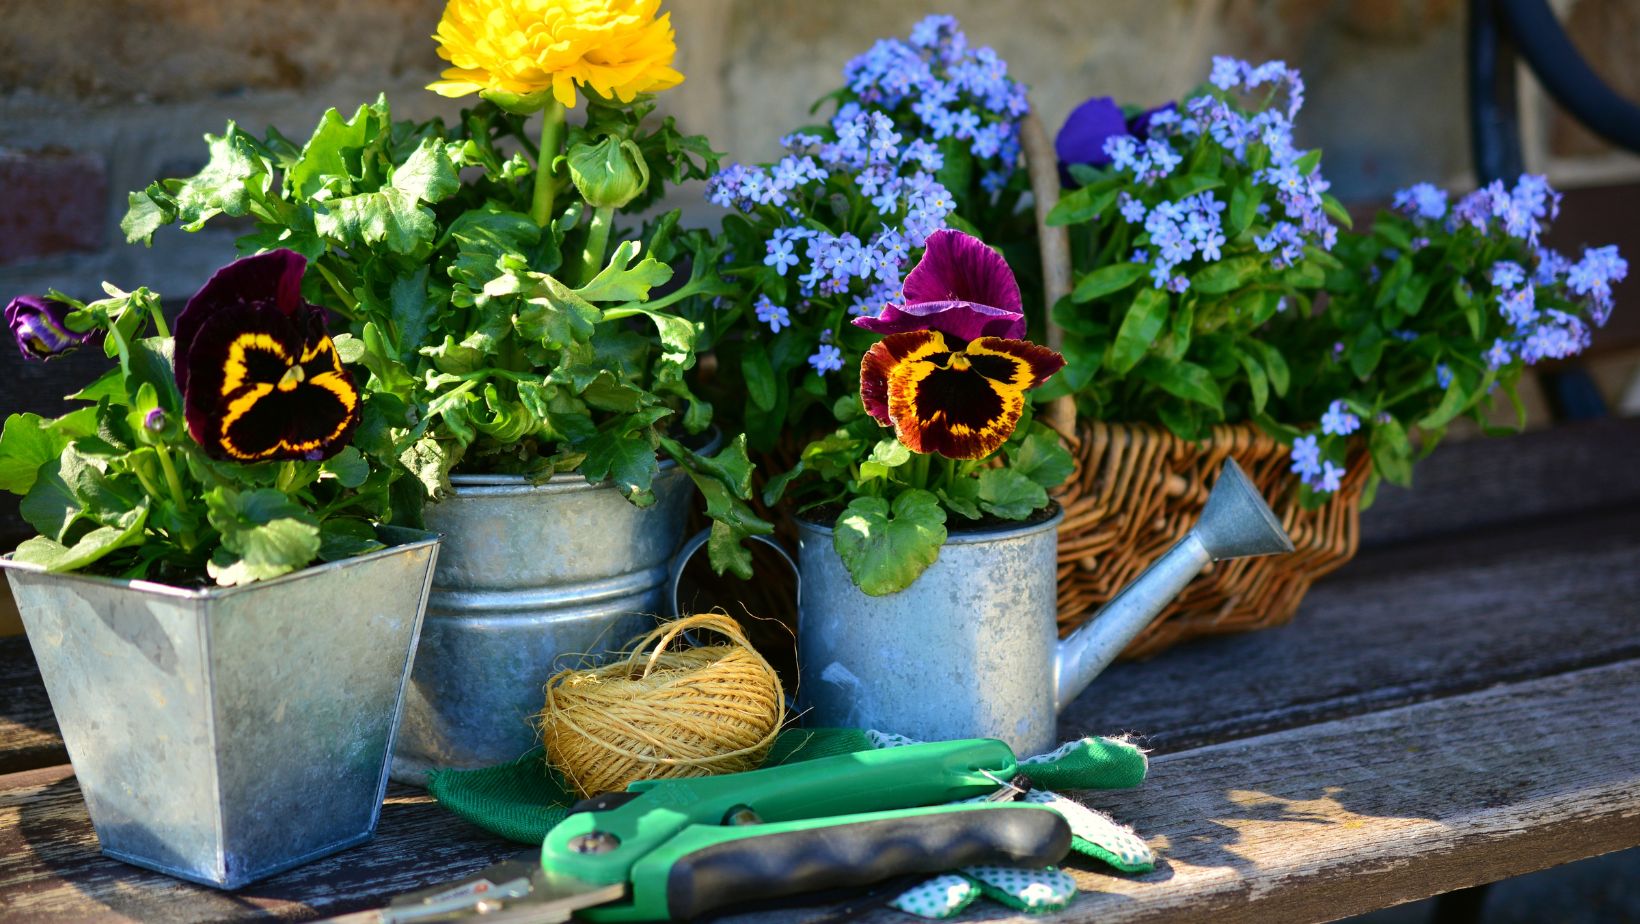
column 1235, row 523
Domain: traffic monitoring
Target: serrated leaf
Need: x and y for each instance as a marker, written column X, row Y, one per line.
column 1010, row 495
column 886, row 548
column 390, row 216
column 625, row 458
column 347, row 537
column 890, row 453
column 326, row 152
column 623, row 281
column 428, row 174
column 412, row 311
column 226, row 183
column 1108, row 279
column 1042, row 458
column 555, row 315
column 143, row 216
column 265, row 551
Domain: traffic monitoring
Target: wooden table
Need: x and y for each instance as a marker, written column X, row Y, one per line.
column 1459, row 705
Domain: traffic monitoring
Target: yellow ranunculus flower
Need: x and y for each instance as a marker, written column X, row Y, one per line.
column 618, row 48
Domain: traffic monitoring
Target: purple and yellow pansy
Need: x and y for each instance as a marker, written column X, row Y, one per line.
column 259, row 374
column 950, row 375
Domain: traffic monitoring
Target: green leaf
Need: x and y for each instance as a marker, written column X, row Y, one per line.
column 349, row 467
column 1244, row 202
column 725, row 481
column 1140, row 328
column 25, row 445
column 624, row 455
column 890, row 453
column 325, row 156
column 1082, row 204
column 1107, row 279
column 1274, row 365
column 1042, row 458
column 264, row 534
column 428, row 174
column 1306, row 165
column 391, row 216
column 555, row 315
column 1391, row 452
column 1257, row 381
column 1010, row 495
column 233, row 173
column 1227, row 275
column 1184, row 380
column 1181, row 187
column 621, row 281
column 885, row 549
column 413, row 312
column 759, row 376
column 92, row 546
column 347, row 537
column 143, row 216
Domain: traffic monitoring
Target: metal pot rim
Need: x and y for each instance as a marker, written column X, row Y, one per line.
column 408, row 539
column 968, row 536
column 493, row 485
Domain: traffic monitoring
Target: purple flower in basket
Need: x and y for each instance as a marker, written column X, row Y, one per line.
column 40, row 326
column 960, row 287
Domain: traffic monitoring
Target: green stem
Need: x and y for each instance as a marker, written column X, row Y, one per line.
column 592, row 255
column 158, row 314
column 341, row 292
column 632, row 309
column 552, row 142
column 174, row 482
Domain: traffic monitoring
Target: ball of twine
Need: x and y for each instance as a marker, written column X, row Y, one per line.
column 664, row 713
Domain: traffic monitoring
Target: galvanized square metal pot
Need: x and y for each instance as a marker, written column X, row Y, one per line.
column 967, row 651
column 222, row 735
column 532, row 578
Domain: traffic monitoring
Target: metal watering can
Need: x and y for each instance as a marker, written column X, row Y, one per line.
column 971, row 648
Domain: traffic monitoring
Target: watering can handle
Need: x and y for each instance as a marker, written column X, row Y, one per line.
column 685, row 554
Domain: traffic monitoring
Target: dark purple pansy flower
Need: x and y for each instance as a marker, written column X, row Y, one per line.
column 40, row 327
column 1081, row 140
column 259, row 374
column 960, row 287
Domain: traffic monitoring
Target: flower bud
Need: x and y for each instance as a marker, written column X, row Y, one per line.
column 40, row 326
column 608, row 174
column 154, row 421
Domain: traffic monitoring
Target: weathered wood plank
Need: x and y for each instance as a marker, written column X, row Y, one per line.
column 1341, row 817
column 1488, row 482
column 1395, row 626
column 28, row 730
column 53, row 872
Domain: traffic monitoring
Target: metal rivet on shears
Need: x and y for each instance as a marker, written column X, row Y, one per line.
column 594, row 842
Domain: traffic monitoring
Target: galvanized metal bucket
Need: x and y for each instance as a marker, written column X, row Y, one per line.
column 531, row 578
column 222, row 735
column 966, row 651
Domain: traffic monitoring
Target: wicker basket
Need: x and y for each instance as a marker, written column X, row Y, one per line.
column 1138, row 489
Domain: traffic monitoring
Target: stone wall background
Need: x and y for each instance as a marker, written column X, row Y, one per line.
column 97, row 97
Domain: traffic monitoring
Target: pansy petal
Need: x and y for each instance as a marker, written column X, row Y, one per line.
column 1021, row 363
column 954, row 412
column 879, row 363
column 267, row 386
column 1081, row 140
column 273, row 278
column 963, row 320
column 959, row 267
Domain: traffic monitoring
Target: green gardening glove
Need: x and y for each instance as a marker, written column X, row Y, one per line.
column 1089, row 763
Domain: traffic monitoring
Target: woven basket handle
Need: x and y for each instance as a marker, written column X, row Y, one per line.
column 1055, row 242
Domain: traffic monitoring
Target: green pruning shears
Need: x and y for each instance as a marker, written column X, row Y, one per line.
column 680, row 848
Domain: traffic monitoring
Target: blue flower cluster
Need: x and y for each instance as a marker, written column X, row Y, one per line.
column 1321, row 475
column 1526, row 298
column 938, row 87
column 1191, row 226
column 870, row 161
